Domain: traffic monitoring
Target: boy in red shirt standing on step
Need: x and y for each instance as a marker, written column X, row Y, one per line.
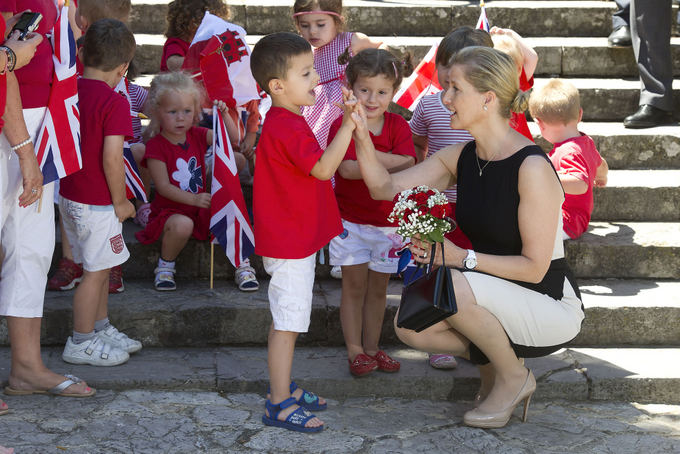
column 556, row 108
column 295, row 213
column 93, row 201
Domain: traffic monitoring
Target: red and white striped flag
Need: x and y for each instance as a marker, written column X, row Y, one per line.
column 423, row 81
column 229, row 220
column 58, row 144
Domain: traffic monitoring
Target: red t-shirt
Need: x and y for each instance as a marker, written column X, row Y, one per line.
column 185, row 164
column 173, row 46
column 295, row 214
column 354, row 199
column 3, row 82
column 579, row 158
column 103, row 112
column 35, row 79
column 518, row 121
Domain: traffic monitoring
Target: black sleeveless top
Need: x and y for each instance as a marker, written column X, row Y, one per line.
column 486, row 211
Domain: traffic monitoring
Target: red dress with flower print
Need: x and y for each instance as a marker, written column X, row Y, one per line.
column 186, row 170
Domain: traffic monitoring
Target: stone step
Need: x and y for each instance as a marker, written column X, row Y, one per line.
column 644, row 375
column 410, row 18
column 639, row 195
column 563, row 57
column 646, row 250
column 618, row 312
column 626, row 149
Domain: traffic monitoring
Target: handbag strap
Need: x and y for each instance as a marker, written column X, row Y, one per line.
column 432, row 253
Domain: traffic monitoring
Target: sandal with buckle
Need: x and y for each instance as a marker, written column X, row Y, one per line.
column 165, row 279
column 362, row 365
column 295, row 421
column 385, row 363
column 308, row 399
column 245, row 279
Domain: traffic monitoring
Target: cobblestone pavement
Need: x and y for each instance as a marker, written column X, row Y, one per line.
column 207, row 422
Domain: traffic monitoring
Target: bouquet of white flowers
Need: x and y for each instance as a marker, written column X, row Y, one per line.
column 422, row 210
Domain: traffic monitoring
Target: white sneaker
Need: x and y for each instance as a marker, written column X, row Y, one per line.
column 94, row 352
column 119, row 340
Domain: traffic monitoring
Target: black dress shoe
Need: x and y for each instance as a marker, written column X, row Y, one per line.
column 620, row 37
column 648, row 116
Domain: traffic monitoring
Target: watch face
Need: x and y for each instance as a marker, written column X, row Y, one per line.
column 470, row 263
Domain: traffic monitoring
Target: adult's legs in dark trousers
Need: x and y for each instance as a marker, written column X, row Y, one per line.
column 622, row 16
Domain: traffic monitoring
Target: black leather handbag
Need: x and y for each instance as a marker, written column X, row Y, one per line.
column 428, row 299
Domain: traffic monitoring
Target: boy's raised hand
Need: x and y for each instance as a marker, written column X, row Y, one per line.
column 360, row 122
column 202, row 200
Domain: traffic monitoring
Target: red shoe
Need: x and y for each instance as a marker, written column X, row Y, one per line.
column 68, row 275
column 116, row 280
column 362, row 365
column 385, row 363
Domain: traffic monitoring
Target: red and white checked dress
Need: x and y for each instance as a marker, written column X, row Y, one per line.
column 321, row 115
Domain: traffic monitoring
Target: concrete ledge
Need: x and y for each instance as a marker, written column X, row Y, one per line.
column 618, row 313
column 574, row 375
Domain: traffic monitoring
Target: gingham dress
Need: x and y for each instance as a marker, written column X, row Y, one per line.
column 321, row 115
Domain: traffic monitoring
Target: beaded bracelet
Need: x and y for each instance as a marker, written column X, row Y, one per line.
column 21, row 145
column 11, row 58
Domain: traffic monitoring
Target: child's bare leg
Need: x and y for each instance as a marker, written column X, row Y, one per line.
column 103, row 306
column 280, row 350
column 176, row 232
column 354, row 282
column 65, row 245
column 87, row 299
column 374, row 310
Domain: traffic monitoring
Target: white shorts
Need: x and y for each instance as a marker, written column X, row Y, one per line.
column 565, row 235
column 364, row 243
column 95, row 234
column 290, row 292
column 529, row 318
column 27, row 234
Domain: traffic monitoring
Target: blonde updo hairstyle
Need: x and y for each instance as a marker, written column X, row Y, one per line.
column 171, row 83
column 489, row 69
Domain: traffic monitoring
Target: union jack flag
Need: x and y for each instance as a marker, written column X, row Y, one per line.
column 134, row 186
column 58, row 144
column 229, row 221
column 483, row 22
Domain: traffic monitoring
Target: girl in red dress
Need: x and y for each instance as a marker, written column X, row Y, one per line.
column 175, row 157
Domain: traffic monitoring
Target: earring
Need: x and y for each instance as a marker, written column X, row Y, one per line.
column 485, row 108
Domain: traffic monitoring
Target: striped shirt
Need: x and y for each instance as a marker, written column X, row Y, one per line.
column 432, row 119
column 138, row 97
column 321, row 115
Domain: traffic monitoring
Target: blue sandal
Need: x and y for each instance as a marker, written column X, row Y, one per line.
column 295, row 421
column 308, row 399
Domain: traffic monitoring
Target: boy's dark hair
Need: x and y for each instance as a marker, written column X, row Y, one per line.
column 108, row 44
column 271, row 56
column 94, row 10
column 374, row 62
column 184, row 16
column 458, row 39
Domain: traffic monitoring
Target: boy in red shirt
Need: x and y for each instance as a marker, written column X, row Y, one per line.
column 93, row 202
column 556, row 108
column 295, row 212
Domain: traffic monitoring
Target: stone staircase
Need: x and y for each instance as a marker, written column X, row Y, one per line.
column 628, row 262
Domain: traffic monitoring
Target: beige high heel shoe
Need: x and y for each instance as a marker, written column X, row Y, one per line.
column 479, row 397
column 479, row 418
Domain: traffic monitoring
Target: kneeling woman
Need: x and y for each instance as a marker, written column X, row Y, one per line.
column 516, row 297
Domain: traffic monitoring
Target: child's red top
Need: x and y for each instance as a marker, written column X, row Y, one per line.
column 579, row 158
column 103, row 112
column 295, row 214
column 354, row 199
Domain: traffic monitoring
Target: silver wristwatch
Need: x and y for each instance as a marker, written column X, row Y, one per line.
column 470, row 262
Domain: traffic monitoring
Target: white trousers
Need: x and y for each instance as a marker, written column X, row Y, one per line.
column 27, row 236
